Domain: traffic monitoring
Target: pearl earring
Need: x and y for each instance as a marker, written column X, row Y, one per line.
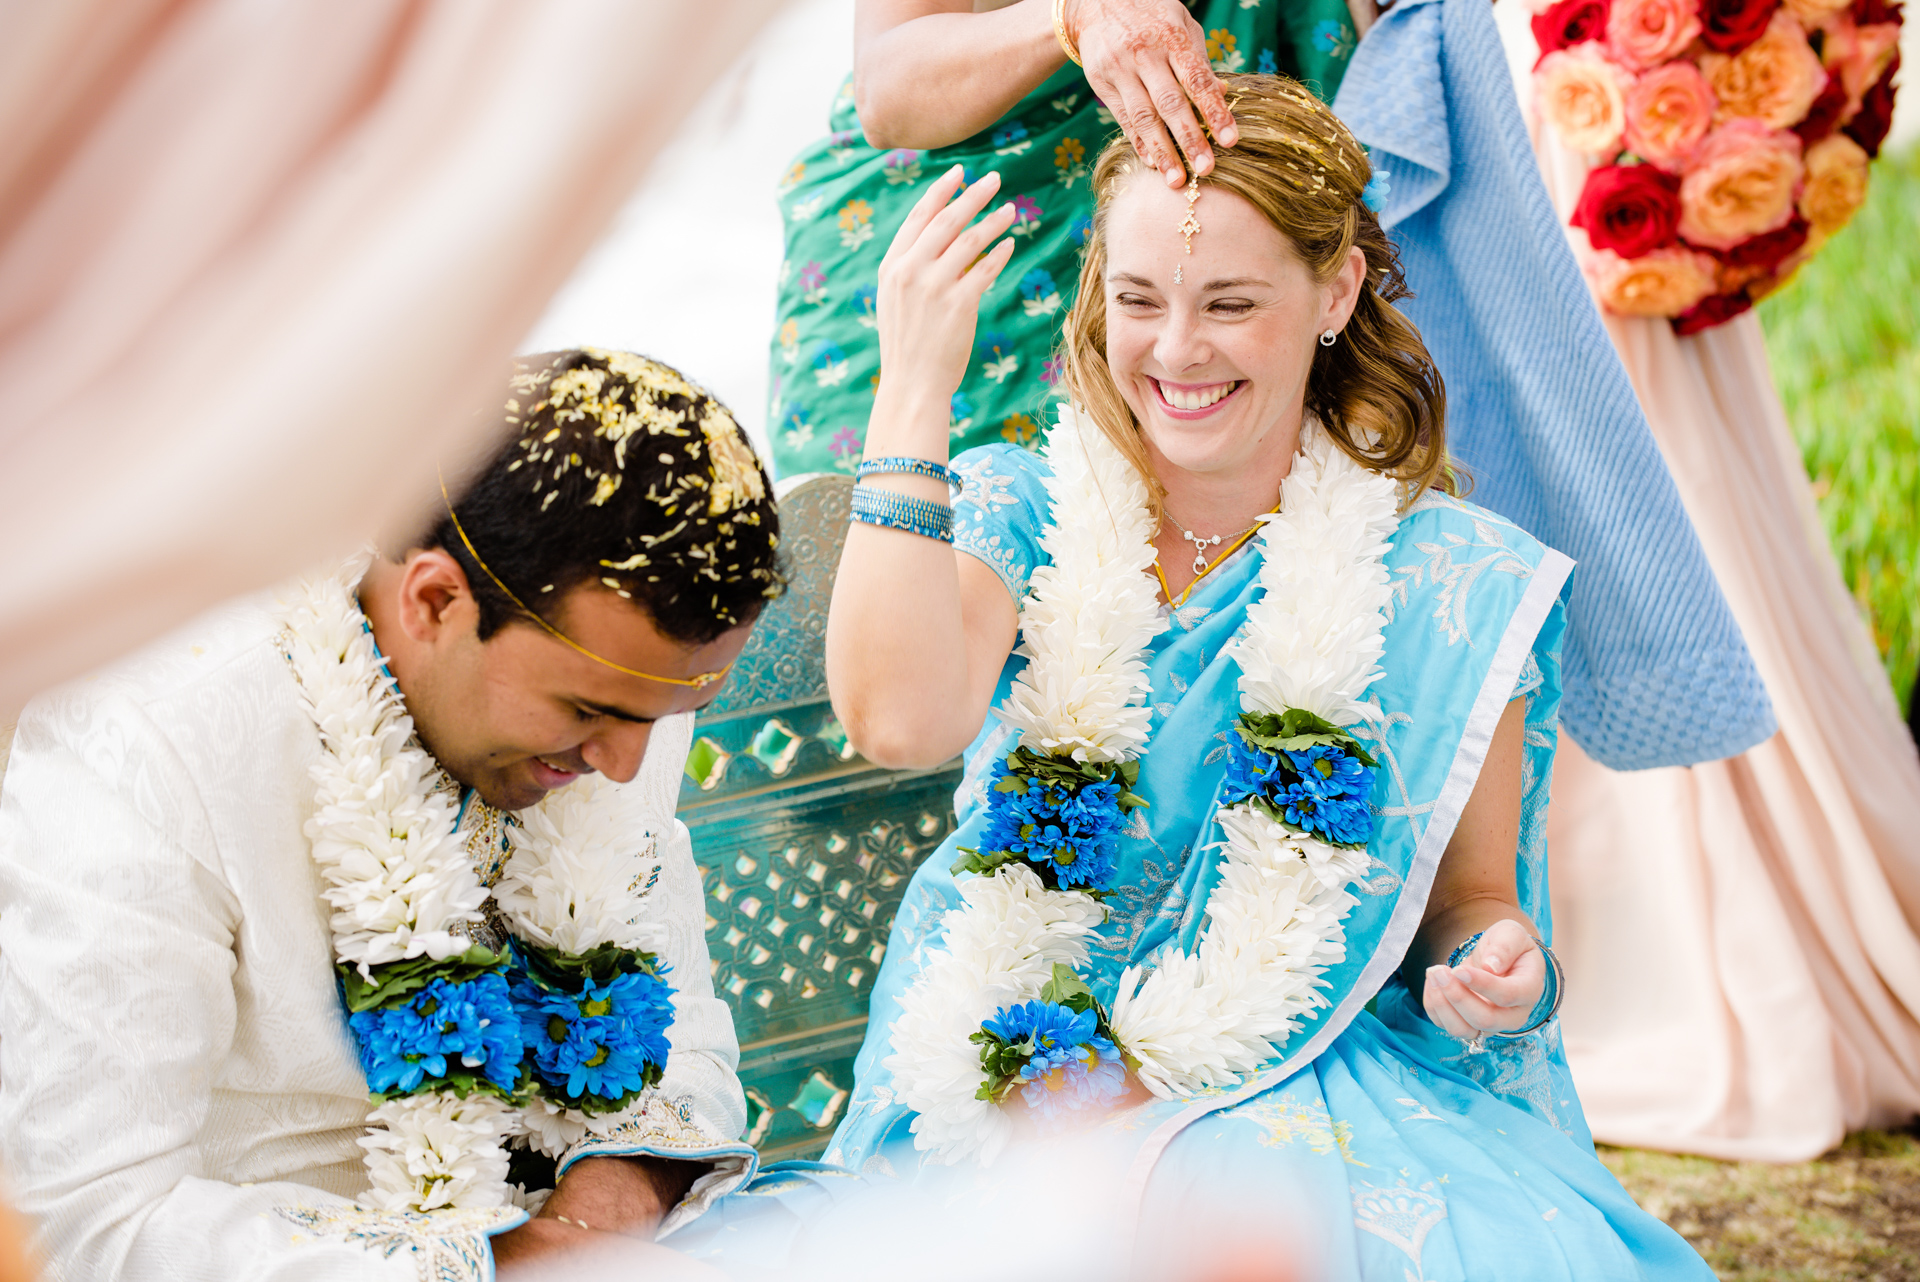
column 1329, row 338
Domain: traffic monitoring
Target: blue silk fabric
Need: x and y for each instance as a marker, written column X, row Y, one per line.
column 1417, row 1158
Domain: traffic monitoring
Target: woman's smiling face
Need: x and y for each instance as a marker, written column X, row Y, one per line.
column 1214, row 365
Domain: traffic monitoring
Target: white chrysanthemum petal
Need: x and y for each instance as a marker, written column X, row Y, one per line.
column 438, row 1150
column 581, row 861
column 1090, row 615
column 550, row 1129
column 999, row 949
column 394, row 873
column 1313, row 640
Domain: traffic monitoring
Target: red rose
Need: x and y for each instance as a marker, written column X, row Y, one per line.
column 1629, row 209
column 1710, row 311
column 1870, row 124
column 1867, row 12
column 1728, row 26
column 1823, row 117
column 1569, row 23
column 1766, row 251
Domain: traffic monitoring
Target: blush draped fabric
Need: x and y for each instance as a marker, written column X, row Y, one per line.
column 1739, row 936
column 263, row 263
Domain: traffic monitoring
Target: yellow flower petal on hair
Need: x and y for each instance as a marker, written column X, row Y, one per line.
column 736, row 473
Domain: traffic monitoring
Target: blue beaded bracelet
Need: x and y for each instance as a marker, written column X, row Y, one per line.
column 906, row 467
column 898, row 512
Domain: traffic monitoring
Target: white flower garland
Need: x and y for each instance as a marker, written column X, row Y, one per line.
column 1311, row 642
column 401, row 886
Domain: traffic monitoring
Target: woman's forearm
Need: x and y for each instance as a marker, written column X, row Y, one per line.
column 897, row 638
column 937, row 78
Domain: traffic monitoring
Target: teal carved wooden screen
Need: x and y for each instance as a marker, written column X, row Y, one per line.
column 804, row 847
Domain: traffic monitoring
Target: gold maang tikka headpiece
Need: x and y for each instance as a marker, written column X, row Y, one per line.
column 1192, row 222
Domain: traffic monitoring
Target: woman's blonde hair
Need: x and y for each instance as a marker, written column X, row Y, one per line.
column 1376, row 390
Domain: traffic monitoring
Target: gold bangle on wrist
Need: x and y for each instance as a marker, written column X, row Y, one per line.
column 1060, row 32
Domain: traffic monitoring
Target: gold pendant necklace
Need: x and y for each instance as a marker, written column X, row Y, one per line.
column 1201, row 566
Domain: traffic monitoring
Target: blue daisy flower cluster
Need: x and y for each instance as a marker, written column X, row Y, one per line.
column 1069, row 830
column 607, row 1040
column 438, row 1030
column 1057, row 1056
column 1321, row 789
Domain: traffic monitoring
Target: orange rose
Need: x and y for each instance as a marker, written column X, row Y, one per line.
column 1811, row 13
column 1668, row 111
column 1581, row 98
column 1740, row 183
column 1665, row 282
column 1836, row 183
column 1773, row 80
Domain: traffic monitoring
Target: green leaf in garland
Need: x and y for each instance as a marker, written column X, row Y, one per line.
column 1066, row 989
column 1071, row 775
column 393, row 982
column 984, row 864
column 463, row 1081
column 1296, row 730
column 567, row 972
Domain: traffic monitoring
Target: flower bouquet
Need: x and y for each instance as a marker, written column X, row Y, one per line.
column 1729, row 139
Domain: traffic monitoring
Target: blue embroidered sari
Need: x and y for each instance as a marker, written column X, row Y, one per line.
column 1417, row 1157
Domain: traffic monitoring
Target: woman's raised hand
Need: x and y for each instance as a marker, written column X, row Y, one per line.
column 1494, row 988
column 931, row 281
column 1147, row 61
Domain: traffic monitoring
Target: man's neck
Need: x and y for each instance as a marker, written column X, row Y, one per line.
column 375, row 594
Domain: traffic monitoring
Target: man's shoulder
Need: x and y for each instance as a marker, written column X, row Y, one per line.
column 223, row 668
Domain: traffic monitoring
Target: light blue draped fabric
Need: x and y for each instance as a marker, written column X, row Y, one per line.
column 1423, row 1160
column 1539, row 406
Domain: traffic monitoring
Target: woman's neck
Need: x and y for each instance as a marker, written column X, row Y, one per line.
column 1225, row 500
column 1216, row 506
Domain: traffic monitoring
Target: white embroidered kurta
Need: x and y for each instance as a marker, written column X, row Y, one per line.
column 179, row 1093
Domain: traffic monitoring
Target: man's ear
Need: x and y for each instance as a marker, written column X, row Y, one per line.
column 434, row 596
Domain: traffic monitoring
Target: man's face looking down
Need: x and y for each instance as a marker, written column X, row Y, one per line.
column 523, row 713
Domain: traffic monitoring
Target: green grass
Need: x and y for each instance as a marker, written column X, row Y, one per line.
column 1844, row 340
column 1854, row 1213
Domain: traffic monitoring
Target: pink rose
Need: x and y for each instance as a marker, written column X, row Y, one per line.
column 1645, row 33
column 1741, row 182
column 1581, row 96
column 1773, row 80
column 1665, row 282
column 1858, row 55
column 1836, row 183
column 1668, row 111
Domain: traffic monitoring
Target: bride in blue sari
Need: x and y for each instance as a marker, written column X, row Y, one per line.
column 1258, row 716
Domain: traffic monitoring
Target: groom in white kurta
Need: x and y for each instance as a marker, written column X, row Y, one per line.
column 180, row 1093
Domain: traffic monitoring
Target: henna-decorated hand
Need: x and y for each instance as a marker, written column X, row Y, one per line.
column 1147, row 61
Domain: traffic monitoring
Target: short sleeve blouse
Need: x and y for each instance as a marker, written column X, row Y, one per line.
column 1000, row 510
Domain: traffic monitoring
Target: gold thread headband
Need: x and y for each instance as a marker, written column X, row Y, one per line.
column 699, row 681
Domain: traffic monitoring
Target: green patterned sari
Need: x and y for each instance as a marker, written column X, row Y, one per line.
column 842, row 201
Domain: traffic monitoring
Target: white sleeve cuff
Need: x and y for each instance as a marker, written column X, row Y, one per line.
column 656, row 1125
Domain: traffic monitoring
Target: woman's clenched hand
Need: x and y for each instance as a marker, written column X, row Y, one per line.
column 1493, row 989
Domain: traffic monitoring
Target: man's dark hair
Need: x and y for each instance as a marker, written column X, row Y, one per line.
column 618, row 471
